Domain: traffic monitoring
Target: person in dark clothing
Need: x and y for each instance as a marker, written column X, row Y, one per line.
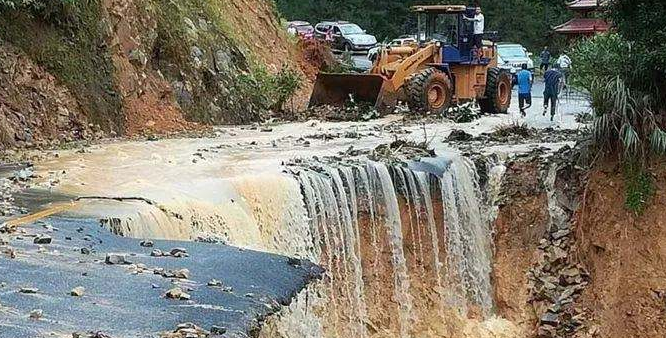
column 545, row 59
column 524, row 89
column 552, row 79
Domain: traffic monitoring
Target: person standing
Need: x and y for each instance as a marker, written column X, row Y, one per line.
column 525, row 80
column 479, row 27
column 565, row 64
column 545, row 59
column 552, row 80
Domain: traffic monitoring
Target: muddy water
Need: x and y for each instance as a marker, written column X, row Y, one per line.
column 406, row 246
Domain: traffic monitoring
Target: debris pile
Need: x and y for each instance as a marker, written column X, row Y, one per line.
column 463, row 113
column 556, row 283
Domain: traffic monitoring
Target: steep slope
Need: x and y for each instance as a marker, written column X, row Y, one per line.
column 144, row 66
column 626, row 257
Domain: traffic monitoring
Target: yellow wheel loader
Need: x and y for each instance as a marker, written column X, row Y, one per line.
column 442, row 68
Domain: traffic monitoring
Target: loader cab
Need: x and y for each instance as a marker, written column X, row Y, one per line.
column 446, row 25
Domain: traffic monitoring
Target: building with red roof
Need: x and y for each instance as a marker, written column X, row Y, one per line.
column 586, row 21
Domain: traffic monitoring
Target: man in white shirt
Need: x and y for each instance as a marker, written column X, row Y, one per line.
column 479, row 26
column 565, row 64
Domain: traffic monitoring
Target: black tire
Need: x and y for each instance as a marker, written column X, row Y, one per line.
column 497, row 98
column 418, row 89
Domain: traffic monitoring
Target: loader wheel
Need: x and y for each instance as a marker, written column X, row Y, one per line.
column 498, row 92
column 429, row 91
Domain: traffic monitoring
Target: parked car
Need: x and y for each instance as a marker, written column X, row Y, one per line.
column 404, row 40
column 345, row 36
column 512, row 56
column 302, row 29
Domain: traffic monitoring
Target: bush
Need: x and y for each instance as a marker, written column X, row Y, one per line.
column 271, row 91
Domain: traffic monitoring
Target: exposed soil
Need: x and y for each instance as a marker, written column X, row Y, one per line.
column 521, row 223
column 626, row 257
column 34, row 108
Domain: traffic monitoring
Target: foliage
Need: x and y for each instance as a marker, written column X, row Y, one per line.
column 271, row 91
column 521, row 21
column 463, row 113
column 639, row 187
column 625, row 75
column 68, row 46
column 515, row 128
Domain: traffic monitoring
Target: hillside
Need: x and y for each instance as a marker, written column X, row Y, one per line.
column 139, row 66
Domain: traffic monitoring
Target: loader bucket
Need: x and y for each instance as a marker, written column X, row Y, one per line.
column 337, row 89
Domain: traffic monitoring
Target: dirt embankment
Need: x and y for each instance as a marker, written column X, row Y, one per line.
column 521, row 223
column 626, row 257
column 139, row 67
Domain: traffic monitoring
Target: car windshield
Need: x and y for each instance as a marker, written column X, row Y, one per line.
column 304, row 29
column 351, row 29
column 512, row 52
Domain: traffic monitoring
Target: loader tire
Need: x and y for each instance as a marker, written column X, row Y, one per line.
column 429, row 91
column 497, row 98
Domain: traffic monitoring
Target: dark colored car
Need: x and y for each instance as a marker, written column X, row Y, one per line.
column 302, row 29
column 345, row 36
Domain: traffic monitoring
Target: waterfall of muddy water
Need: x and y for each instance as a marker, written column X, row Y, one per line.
column 406, row 247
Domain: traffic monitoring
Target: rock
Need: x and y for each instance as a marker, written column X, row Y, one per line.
column 550, row 318
column 458, row 135
column 546, row 331
column 147, row 244
column 560, row 234
column 218, row 329
column 77, row 291
column 154, row 286
column 36, row 314
column 138, row 58
column 557, row 256
column 214, row 282
column 177, row 293
column 295, row 262
column 178, row 252
column 42, row 239
column 116, row 259
column 174, row 293
column 157, row 253
column 29, row 290
column 182, row 273
column 85, row 251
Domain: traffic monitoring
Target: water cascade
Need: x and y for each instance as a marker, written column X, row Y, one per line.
column 404, row 244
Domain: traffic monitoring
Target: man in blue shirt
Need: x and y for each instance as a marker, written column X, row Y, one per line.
column 553, row 79
column 524, row 89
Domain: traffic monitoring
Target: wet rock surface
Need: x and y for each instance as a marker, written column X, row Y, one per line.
column 58, row 288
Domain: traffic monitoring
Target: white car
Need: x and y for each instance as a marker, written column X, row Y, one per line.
column 401, row 41
column 512, row 56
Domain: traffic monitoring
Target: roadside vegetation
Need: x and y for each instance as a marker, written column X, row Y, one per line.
column 625, row 74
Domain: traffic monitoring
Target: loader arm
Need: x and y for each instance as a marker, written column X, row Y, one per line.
column 404, row 68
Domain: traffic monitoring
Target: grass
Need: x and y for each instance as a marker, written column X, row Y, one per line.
column 70, row 51
column 639, row 188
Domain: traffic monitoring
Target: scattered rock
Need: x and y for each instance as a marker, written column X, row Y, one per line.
column 116, row 259
column 147, row 244
column 77, row 291
column 458, row 135
column 42, row 239
column 36, row 314
column 218, row 329
column 157, row 253
column 85, row 251
column 177, row 293
column 178, row 252
column 214, row 282
column 550, row 318
column 29, row 290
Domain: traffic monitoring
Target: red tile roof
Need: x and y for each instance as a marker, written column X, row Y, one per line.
column 583, row 26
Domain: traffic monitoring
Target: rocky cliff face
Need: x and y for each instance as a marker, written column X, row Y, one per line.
column 139, row 66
